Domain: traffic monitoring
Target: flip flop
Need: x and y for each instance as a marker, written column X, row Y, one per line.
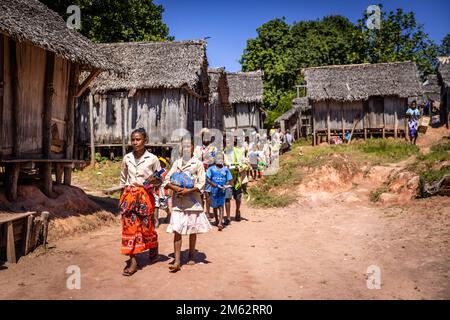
column 128, row 273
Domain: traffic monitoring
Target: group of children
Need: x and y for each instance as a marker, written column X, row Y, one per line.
column 200, row 178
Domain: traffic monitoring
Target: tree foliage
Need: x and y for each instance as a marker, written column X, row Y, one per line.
column 282, row 50
column 117, row 20
column 444, row 49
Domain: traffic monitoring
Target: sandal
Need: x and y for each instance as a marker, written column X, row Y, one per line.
column 128, row 273
column 191, row 261
column 174, row 268
column 220, row 227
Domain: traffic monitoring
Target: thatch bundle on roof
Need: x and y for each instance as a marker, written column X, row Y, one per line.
column 361, row 81
column 444, row 70
column 218, row 103
column 30, row 20
column 246, row 93
column 155, row 65
column 245, row 87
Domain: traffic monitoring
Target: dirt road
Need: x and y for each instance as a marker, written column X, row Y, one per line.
column 311, row 250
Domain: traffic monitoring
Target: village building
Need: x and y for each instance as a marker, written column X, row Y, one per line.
column 40, row 63
column 165, row 91
column 368, row 100
column 218, row 103
column 245, row 96
column 297, row 119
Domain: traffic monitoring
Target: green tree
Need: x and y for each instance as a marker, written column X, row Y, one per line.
column 400, row 38
column 282, row 50
column 117, row 20
column 444, row 49
column 268, row 52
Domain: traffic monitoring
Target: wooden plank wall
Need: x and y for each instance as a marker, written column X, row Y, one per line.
column 158, row 111
column 61, row 84
column 2, row 83
column 6, row 143
column 31, row 62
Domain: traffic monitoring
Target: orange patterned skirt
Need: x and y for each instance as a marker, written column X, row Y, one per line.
column 138, row 229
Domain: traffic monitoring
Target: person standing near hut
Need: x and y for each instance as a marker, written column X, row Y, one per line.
column 413, row 115
column 186, row 179
column 138, row 177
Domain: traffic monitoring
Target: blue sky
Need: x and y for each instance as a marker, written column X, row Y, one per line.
column 230, row 23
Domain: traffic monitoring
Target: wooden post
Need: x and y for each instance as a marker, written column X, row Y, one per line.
column 364, row 115
column 47, row 173
column 48, row 104
column 313, row 125
column 395, row 123
column 2, row 83
column 45, row 219
column 124, row 123
column 59, row 173
column 70, row 118
column 384, row 121
column 27, row 237
column 91, row 128
column 12, row 174
column 343, row 125
column 14, row 74
column 10, row 245
column 328, row 122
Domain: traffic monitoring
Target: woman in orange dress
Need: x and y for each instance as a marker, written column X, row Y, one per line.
column 137, row 203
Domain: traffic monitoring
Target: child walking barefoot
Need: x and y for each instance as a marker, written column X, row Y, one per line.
column 218, row 176
column 186, row 179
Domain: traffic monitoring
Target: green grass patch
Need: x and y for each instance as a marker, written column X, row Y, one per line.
column 427, row 165
column 293, row 165
column 261, row 197
column 105, row 175
column 376, row 194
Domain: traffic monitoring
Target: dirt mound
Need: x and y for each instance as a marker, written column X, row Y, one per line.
column 400, row 188
column 68, row 200
column 60, row 228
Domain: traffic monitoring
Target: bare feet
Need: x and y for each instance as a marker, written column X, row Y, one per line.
column 174, row 268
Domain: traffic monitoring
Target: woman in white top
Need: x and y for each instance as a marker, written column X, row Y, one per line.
column 137, row 203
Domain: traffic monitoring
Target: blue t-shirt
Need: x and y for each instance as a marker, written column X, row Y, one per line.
column 218, row 176
column 414, row 113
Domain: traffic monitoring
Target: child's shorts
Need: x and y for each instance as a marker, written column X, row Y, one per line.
column 232, row 192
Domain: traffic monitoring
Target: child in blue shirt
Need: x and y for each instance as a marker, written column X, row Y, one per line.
column 218, row 177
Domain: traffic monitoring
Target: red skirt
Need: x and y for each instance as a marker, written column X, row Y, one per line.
column 137, row 207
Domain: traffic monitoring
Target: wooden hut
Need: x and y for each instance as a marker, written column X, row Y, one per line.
column 297, row 119
column 245, row 96
column 368, row 99
column 165, row 88
column 444, row 81
column 40, row 62
column 218, row 103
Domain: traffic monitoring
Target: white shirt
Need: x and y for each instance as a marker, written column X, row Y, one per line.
column 133, row 173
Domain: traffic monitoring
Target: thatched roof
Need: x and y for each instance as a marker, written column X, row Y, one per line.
column 32, row 21
column 287, row 115
column 431, row 89
column 298, row 104
column 359, row 82
column 245, row 87
column 156, row 65
column 218, row 88
column 444, row 70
